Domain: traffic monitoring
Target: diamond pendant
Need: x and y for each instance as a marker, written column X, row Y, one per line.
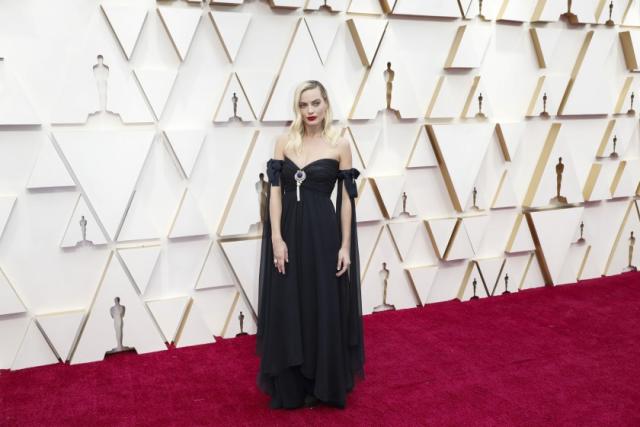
column 299, row 176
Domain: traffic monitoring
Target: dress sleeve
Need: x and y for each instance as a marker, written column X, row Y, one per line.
column 353, row 314
column 274, row 169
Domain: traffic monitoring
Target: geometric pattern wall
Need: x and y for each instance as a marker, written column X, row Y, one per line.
column 134, row 138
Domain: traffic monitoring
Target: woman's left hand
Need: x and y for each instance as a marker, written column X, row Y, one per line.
column 343, row 261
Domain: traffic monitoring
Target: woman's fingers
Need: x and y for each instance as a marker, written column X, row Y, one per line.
column 343, row 265
column 285, row 257
column 281, row 259
column 279, row 264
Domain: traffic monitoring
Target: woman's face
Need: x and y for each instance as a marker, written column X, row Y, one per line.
column 312, row 106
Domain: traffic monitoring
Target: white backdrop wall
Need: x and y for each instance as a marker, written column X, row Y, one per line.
column 167, row 180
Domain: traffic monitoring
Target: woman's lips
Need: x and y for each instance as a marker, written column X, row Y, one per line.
column 311, row 118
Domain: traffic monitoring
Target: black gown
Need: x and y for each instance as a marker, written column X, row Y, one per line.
column 310, row 321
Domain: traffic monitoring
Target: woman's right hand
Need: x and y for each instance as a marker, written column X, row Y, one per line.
column 280, row 255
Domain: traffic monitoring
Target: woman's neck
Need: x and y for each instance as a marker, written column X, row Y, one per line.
column 314, row 131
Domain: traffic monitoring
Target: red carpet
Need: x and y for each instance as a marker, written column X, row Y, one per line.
column 555, row 356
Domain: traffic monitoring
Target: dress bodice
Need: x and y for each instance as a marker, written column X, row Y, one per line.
column 320, row 175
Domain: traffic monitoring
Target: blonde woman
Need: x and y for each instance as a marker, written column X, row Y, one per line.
column 309, row 310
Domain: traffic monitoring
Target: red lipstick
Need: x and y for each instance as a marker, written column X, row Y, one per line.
column 312, row 118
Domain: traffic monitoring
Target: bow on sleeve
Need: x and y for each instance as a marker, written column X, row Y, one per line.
column 274, row 168
column 349, row 176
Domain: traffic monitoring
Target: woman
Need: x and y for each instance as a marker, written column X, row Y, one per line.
column 309, row 310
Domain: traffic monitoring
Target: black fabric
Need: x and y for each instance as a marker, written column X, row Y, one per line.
column 310, row 335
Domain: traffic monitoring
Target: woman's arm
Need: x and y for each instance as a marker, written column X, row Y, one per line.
column 280, row 251
column 345, row 211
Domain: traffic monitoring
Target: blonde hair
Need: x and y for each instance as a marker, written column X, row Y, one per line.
column 296, row 129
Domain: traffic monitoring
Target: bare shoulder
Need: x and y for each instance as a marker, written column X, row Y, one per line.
column 344, row 148
column 343, row 145
column 281, row 141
